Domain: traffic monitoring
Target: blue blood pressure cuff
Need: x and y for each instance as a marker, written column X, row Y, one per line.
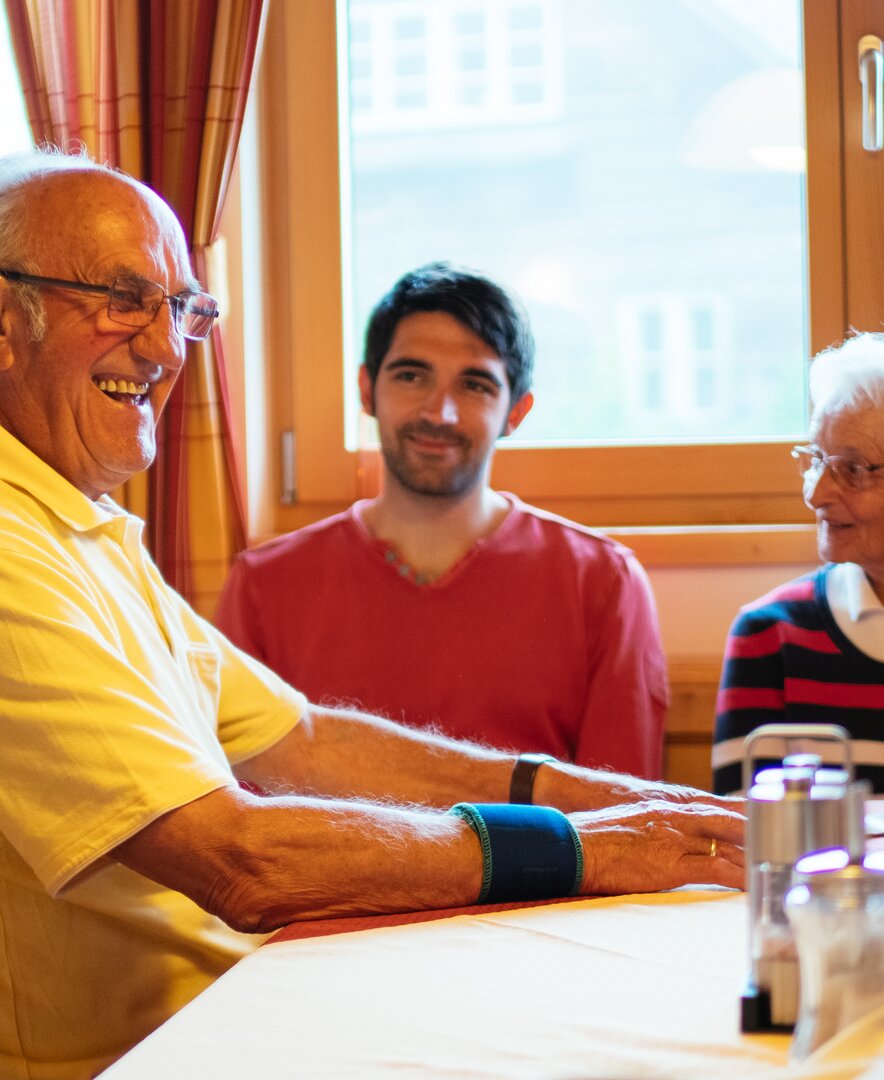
column 528, row 852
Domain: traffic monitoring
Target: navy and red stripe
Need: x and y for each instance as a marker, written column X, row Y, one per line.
column 786, row 661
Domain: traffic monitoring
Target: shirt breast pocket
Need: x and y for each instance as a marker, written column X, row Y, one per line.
column 204, row 665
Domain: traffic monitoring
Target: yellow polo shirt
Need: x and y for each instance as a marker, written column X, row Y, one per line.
column 118, row 703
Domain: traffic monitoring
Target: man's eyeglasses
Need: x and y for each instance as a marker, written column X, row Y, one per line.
column 851, row 473
column 132, row 302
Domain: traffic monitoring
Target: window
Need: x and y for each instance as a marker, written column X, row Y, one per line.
column 669, row 156
column 684, row 342
column 14, row 131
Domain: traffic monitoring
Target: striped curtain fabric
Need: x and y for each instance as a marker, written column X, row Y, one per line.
column 158, row 88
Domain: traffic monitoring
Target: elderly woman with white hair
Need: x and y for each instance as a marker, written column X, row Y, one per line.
column 812, row 651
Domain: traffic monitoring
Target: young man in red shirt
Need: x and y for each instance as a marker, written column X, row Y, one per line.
column 442, row 602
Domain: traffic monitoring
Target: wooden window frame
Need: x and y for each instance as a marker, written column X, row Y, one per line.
column 675, row 488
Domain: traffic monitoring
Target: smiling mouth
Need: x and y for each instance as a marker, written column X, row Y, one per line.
column 432, row 440
column 432, row 444
column 124, row 390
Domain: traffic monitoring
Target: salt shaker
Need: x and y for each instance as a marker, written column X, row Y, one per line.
column 791, row 810
column 836, row 910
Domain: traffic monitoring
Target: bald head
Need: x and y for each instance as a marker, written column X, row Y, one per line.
column 65, row 212
column 53, row 203
column 23, row 174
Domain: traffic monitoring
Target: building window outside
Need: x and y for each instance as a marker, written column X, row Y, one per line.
column 427, row 65
column 675, row 348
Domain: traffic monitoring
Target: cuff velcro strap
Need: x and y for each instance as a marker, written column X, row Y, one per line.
column 528, row 852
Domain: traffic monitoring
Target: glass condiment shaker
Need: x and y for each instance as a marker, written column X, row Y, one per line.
column 798, row 807
column 836, row 910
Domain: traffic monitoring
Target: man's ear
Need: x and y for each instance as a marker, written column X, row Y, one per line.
column 366, row 391
column 7, row 356
column 518, row 413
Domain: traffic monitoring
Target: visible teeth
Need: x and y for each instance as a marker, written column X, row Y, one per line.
column 121, row 386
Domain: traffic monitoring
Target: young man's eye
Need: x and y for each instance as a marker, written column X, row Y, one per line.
column 479, row 386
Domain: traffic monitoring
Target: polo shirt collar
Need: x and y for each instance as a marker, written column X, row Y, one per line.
column 854, row 594
column 22, row 468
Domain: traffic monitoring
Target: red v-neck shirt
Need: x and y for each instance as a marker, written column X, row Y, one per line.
column 544, row 636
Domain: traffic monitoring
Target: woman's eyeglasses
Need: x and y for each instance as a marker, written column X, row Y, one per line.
column 849, row 472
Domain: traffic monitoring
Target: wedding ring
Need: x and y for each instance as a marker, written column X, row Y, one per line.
column 713, row 849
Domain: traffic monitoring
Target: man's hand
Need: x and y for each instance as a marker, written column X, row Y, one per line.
column 571, row 789
column 660, row 844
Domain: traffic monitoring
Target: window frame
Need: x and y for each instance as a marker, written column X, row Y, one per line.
column 671, row 485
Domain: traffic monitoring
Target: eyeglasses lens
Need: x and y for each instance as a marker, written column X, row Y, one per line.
column 137, row 303
column 195, row 314
column 807, row 462
column 133, row 303
column 847, row 472
column 850, row 474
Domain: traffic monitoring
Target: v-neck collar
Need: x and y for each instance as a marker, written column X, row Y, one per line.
column 387, row 553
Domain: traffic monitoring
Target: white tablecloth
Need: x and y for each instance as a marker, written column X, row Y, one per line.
column 631, row 987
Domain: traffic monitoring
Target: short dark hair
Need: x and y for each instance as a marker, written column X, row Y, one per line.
column 476, row 302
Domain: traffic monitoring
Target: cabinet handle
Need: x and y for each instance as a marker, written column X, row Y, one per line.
column 871, row 75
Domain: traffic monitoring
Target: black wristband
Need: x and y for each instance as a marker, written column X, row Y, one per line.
column 522, row 780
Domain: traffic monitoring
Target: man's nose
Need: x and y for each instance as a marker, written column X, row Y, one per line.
column 440, row 406
column 159, row 341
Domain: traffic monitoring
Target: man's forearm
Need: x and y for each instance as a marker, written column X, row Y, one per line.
column 346, row 754
column 341, row 754
column 260, row 863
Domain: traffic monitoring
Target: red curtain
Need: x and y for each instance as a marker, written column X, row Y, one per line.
column 158, row 88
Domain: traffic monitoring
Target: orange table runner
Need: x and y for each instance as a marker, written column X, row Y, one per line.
column 346, row 924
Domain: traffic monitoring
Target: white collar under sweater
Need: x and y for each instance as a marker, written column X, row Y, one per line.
column 856, row 609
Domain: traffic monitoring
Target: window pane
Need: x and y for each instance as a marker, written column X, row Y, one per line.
column 634, row 172
column 14, row 131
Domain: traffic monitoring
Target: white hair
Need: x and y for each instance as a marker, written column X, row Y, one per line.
column 849, row 375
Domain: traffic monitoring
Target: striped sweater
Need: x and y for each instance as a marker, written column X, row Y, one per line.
column 786, row 661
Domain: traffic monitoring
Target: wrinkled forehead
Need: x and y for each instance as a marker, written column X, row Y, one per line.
column 852, row 426
column 89, row 220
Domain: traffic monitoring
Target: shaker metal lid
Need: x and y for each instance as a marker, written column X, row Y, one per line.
column 825, row 774
column 785, row 822
column 833, row 860
column 800, row 763
column 781, row 828
column 831, row 873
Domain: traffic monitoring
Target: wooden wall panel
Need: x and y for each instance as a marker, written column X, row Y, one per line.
column 688, row 740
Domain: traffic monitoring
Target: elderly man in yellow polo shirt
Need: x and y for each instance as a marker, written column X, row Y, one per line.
column 134, row 866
